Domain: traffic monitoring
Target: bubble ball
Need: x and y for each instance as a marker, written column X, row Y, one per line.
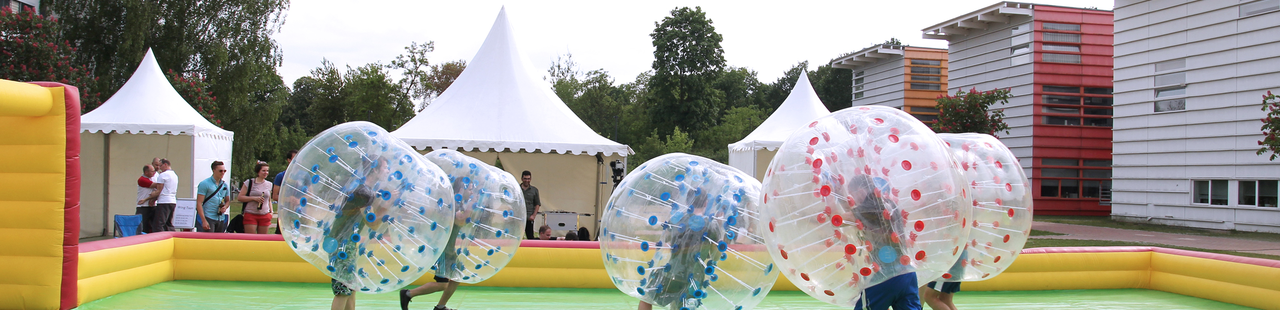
column 365, row 208
column 678, row 233
column 860, row 196
column 1002, row 206
column 488, row 218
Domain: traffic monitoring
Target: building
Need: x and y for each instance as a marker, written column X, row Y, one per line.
column 1189, row 80
column 904, row 77
column 20, row 5
column 1056, row 61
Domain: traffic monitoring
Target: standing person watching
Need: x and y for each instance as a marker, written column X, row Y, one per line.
column 212, row 195
column 147, row 194
column 532, row 203
column 255, row 193
column 168, row 198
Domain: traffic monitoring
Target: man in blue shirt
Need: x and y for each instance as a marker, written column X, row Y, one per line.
column 212, row 196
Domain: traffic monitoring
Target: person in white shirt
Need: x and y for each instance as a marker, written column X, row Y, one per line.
column 146, row 188
column 168, row 198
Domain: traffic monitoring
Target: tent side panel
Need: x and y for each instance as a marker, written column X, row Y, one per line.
column 91, row 193
column 565, row 182
column 205, row 151
column 762, row 159
column 129, row 152
column 745, row 161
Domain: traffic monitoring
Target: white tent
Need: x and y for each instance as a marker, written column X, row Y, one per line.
column 753, row 153
column 501, row 108
column 146, row 118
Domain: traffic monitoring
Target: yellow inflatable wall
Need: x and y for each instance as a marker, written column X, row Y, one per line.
column 40, row 222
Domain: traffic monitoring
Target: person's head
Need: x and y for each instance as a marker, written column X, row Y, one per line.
column 164, row 165
column 544, row 232
column 288, row 157
column 219, row 169
column 155, row 163
column 525, row 177
column 261, row 169
column 571, row 235
column 148, row 171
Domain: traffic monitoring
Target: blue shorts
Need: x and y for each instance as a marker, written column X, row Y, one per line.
column 945, row 287
column 900, row 292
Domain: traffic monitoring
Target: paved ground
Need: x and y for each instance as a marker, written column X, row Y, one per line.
column 1081, row 232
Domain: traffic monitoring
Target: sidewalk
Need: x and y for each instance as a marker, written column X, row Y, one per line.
column 1081, row 232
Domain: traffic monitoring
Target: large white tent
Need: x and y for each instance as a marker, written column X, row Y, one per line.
column 145, row 119
column 500, row 108
column 753, row 153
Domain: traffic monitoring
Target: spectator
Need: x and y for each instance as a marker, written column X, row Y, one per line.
column 571, row 235
column 146, row 198
column 256, row 194
column 167, row 199
column 532, row 202
column 212, row 195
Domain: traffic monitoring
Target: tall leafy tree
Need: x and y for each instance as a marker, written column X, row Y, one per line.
column 227, row 42
column 971, row 112
column 330, row 97
column 32, row 49
column 687, row 60
column 834, row 86
column 422, row 80
column 1270, row 126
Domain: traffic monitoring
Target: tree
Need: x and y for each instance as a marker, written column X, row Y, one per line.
column 834, row 86
column 193, row 89
column 892, row 41
column 969, row 112
column 32, row 49
column 653, row 146
column 687, row 59
column 1270, row 126
column 735, row 125
column 330, row 97
column 422, row 80
column 740, row 86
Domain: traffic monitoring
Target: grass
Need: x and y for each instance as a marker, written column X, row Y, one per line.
column 1043, row 243
column 1044, row 233
column 1103, row 221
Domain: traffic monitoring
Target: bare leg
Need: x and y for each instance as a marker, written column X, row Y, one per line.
column 250, row 229
column 644, row 306
column 948, row 300
column 351, row 302
column 428, row 288
column 930, row 297
column 448, row 292
column 343, row 302
column 262, row 230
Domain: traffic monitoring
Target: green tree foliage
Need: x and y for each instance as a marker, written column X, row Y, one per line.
column 970, row 112
column 834, row 86
column 687, row 59
column 330, row 97
column 227, row 42
column 735, row 125
column 422, row 80
column 194, row 90
column 740, row 87
column 1270, row 126
column 653, row 146
column 32, row 49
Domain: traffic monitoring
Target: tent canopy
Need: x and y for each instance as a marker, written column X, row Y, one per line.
column 801, row 107
column 148, row 104
column 500, row 102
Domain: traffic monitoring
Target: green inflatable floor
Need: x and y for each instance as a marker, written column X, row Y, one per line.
column 272, row 295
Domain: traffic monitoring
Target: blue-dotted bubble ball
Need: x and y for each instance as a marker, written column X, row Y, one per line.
column 489, row 218
column 1001, row 202
column 365, row 208
column 861, row 196
column 678, row 232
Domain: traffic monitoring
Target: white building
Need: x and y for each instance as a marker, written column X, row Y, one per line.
column 1189, row 80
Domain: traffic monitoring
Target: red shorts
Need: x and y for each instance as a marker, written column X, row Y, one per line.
column 263, row 220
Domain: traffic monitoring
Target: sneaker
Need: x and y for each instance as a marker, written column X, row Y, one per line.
column 439, row 307
column 404, row 299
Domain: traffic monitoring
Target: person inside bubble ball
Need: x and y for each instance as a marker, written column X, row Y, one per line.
column 683, row 281
column 940, row 293
column 447, row 265
column 882, row 219
column 343, row 238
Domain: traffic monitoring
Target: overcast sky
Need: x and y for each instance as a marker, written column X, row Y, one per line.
column 767, row 37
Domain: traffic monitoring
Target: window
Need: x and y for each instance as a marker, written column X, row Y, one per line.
column 1097, row 122
column 1062, row 58
column 1248, row 193
column 1098, row 101
column 926, row 62
column 1063, row 27
column 925, row 70
column 1061, row 48
column 1060, row 173
column 1097, row 163
column 1020, row 39
column 857, row 81
column 1061, row 89
column 1072, row 183
column 926, row 78
column 1260, row 193
column 926, row 86
column 859, row 73
column 1068, row 121
column 1055, row 99
column 1171, row 105
column 925, row 117
column 1098, row 111
column 1020, row 59
column 1061, row 110
column 1019, row 49
column 858, row 88
column 1212, row 192
column 1259, row 7
column 1167, row 92
column 924, row 110
column 1267, row 193
column 1171, row 79
column 1060, row 162
column 1062, row 37
column 1049, row 188
column 1171, row 64
column 1097, row 174
column 857, row 95
column 1097, row 90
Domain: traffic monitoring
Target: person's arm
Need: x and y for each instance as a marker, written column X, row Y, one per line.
column 275, row 187
column 226, row 203
column 200, row 210
column 244, row 194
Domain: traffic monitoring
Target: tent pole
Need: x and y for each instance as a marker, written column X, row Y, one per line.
column 106, row 184
column 598, row 182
